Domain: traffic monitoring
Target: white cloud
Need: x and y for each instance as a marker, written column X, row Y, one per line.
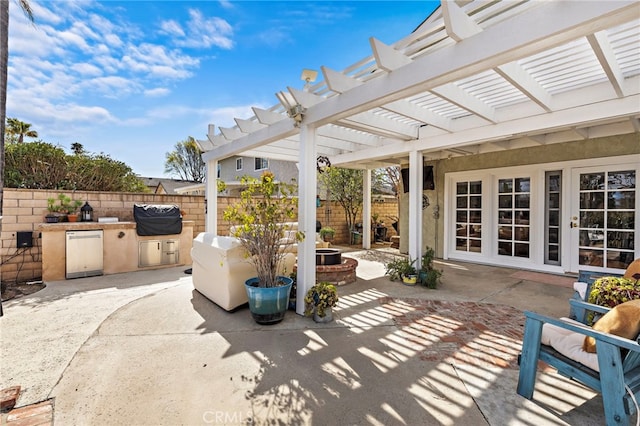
column 73, row 39
column 226, row 4
column 65, row 70
column 171, row 27
column 157, row 92
column 205, row 32
column 86, row 69
column 111, row 86
column 43, row 14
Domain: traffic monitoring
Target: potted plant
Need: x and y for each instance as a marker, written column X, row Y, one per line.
column 72, row 210
column 54, row 211
column 327, row 233
column 261, row 218
column 403, row 269
column 319, row 301
column 429, row 276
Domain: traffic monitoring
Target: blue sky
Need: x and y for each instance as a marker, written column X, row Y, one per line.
column 133, row 78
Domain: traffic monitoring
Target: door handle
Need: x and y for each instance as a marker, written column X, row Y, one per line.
column 574, row 222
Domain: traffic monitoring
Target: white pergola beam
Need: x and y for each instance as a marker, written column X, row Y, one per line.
column 341, row 133
column 603, row 51
column 219, row 140
column 388, row 58
column 459, row 97
column 231, row 133
column 382, row 126
column 274, row 132
column 538, row 124
column 265, row 116
column 417, row 113
column 522, row 80
column 204, row 145
column 248, row 126
column 292, row 156
column 457, row 23
column 337, row 81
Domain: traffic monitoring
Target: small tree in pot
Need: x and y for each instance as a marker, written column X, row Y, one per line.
column 261, row 219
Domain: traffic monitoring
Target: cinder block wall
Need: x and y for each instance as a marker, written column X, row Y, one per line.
column 25, row 209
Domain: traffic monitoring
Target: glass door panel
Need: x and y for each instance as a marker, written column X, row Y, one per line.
column 469, row 216
column 607, row 218
column 553, row 212
column 514, row 199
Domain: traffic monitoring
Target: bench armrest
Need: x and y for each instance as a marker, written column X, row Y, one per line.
column 588, row 306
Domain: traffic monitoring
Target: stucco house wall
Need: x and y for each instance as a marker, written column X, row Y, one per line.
column 434, row 233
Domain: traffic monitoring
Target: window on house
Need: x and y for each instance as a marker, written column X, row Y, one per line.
column 238, row 164
column 262, row 163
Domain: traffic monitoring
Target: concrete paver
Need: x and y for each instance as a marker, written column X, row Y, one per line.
column 146, row 348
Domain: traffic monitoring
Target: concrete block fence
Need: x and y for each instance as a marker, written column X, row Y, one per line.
column 25, row 209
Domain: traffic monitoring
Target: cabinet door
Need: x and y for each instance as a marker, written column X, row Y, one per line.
column 150, row 253
column 170, row 252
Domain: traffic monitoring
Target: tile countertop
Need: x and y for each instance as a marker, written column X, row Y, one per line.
column 82, row 226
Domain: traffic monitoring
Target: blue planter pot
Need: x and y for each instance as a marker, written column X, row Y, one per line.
column 268, row 305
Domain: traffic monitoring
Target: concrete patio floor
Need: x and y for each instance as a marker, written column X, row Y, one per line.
column 145, row 348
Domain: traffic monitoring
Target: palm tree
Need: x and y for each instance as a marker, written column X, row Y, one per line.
column 20, row 129
column 4, row 64
column 77, row 148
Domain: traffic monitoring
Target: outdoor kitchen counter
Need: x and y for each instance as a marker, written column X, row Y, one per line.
column 120, row 246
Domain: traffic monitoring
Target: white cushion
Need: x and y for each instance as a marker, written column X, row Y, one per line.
column 581, row 288
column 568, row 343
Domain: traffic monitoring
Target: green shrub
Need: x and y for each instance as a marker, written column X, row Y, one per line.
column 612, row 291
column 400, row 267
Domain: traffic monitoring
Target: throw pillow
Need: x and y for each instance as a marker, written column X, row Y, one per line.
column 633, row 270
column 623, row 320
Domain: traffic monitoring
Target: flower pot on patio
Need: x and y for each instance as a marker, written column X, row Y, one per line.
column 268, row 304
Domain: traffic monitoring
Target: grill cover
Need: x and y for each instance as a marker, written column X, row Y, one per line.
column 157, row 219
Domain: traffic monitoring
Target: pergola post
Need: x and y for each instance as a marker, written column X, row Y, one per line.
column 211, row 197
column 306, row 274
column 415, row 205
column 366, row 209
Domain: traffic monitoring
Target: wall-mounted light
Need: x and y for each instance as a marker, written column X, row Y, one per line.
column 308, row 76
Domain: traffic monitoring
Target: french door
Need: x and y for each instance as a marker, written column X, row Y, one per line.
column 603, row 217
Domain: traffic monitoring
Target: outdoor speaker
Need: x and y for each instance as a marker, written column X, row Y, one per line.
column 428, row 182
column 24, row 239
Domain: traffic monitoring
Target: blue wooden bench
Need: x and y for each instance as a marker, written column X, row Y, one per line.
column 618, row 361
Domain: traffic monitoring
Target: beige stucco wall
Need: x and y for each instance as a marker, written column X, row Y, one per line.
column 433, row 228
